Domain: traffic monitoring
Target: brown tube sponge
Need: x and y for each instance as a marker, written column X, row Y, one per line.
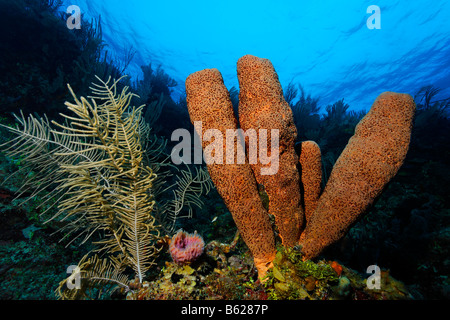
column 262, row 106
column 371, row 158
column 208, row 101
column 310, row 175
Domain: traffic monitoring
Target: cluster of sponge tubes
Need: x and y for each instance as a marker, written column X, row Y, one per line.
column 304, row 215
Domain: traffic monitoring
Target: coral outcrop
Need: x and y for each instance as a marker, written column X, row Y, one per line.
column 370, row 160
column 209, row 102
column 293, row 278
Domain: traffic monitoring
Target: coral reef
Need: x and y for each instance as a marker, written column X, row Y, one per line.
column 260, row 90
column 293, row 278
column 185, row 248
column 35, row 70
column 103, row 184
column 208, row 101
column 404, row 230
column 372, row 157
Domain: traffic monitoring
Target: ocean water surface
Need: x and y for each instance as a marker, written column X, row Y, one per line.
column 325, row 46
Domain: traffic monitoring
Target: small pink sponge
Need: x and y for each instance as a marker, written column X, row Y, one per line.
column 185, row 247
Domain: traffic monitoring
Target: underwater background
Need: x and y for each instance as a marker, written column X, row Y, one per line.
column 332, row 63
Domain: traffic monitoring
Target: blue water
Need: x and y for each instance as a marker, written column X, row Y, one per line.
column 325, row 45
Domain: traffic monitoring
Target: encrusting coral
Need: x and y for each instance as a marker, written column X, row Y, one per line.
column 372, row 157
column 208, row 101
column 260, row 90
